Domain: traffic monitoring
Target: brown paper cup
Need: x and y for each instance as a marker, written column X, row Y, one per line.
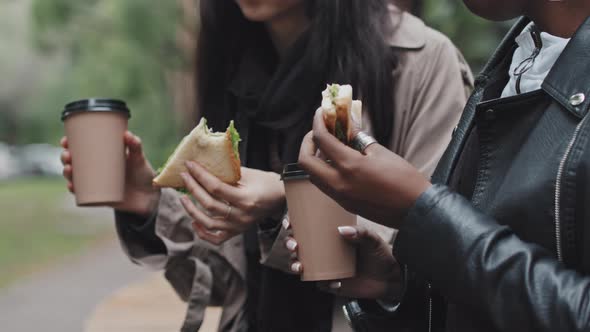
column 315, row 219
column 95, row 138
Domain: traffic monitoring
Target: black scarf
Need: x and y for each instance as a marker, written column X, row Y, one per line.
column 272, row 99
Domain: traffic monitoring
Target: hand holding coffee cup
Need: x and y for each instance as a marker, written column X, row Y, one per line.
column 378, row 275
column 103, row 163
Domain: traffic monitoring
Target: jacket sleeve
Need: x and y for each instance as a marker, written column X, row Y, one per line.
column 151, row 242
column 473, row 261
column 201, row 274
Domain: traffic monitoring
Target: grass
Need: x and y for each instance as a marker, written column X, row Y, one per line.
column 38, row 226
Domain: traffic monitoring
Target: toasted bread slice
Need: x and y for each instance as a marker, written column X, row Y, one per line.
column 356, row 114
column 216, row 152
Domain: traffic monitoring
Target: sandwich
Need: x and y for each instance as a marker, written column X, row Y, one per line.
column 217, row 152
column 341, row 113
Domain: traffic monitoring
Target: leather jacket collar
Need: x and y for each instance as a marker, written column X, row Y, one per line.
column 569, row 79
column 573, row 92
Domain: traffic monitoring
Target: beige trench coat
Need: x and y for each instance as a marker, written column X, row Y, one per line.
column 431, row 86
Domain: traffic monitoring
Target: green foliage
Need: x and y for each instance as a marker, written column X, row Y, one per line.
column 51, row 17
column 45, row 230
column 112, row 48
column 475, row 37
column 235, row 138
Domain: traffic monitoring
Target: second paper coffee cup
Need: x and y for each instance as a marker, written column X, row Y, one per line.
column 315, row 219
column 95, row 130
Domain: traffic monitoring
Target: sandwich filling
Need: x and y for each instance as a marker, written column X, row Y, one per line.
column 338, row 130
column 336, row 105
column 235, row 138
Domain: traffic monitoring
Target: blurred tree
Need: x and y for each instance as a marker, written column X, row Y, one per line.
column 119, row 49
column 19, row 67
column 182, row 79
column 475, row 37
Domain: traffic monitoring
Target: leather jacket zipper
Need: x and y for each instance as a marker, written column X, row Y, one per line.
column 347, row 317
column 429, row 307
column 558, row 189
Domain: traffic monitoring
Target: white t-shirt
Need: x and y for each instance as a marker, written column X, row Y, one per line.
column 532, row 79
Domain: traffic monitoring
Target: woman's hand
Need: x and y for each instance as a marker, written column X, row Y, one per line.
column 378, row 275
column 226, row 210
column 377, row 184
column 140, row 197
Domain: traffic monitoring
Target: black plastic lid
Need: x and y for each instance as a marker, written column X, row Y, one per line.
column 293, row 172
column 95, row 105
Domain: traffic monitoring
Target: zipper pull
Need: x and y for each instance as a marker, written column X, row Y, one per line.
column 528, row 63
column 536, row 35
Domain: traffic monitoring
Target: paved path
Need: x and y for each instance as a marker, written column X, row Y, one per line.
column 147, row 306
column 62, row 299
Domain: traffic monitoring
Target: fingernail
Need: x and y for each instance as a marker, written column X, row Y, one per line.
column 190, row 164
column 286, row 223
column 291, row 244
column 335, row 285
column 296, row 267
column 347, row 231
column 184, row 176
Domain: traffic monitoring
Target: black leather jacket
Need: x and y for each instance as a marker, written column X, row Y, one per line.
column 502, row 241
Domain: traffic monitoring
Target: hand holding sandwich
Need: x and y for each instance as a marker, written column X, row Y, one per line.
column 140, row 196
column 229, row 199
column 377, row 184
column 227, row 210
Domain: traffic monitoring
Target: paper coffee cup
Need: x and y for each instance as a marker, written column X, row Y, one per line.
column 95, row 130
column 315, row 219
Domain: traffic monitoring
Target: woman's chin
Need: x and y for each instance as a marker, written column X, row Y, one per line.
column 256, row 16
column 502, row 10
column 267, row 10
column 255, row 11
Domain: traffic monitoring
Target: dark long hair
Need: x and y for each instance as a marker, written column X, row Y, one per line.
column 348, row 44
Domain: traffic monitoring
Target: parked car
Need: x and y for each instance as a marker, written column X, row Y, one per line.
column 39, row 159
column 9, row 165
column 29, row 160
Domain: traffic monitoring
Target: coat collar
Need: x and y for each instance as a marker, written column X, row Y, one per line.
column 570, row 76
column 409, row 31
